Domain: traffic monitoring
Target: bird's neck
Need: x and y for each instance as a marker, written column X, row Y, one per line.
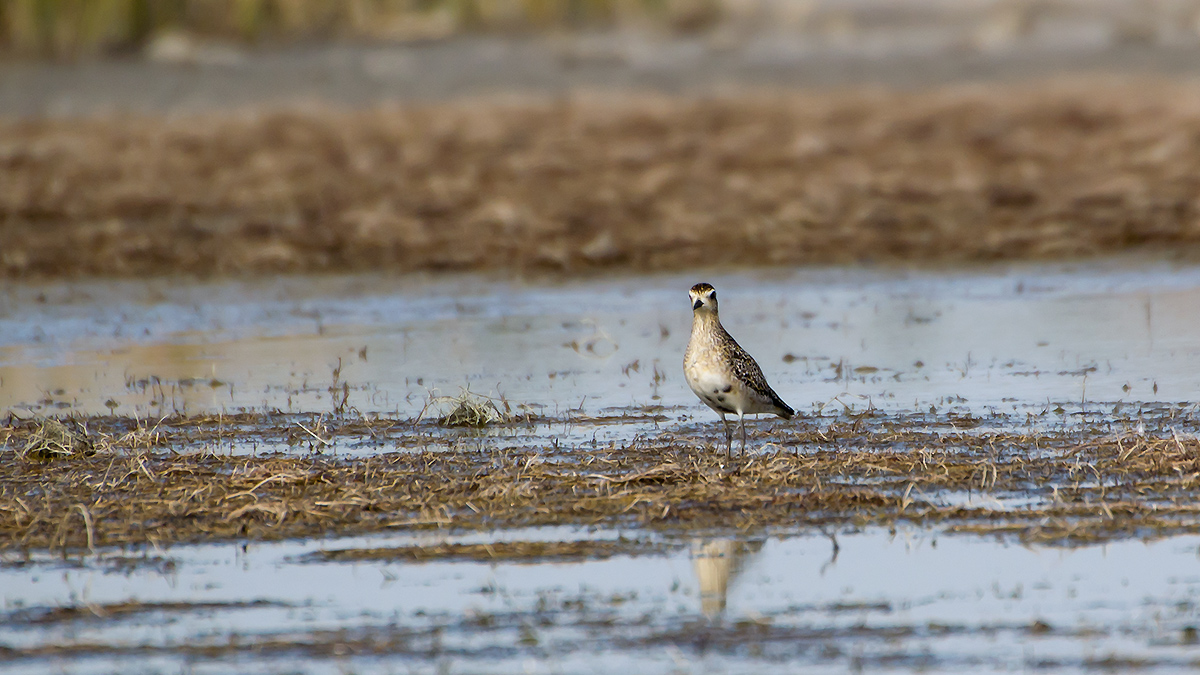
column 705, row 321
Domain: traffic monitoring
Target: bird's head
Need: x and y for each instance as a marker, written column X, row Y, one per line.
column 704, row 298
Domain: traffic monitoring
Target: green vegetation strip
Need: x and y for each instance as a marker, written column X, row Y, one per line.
column 64, row 28
column 1071, row 486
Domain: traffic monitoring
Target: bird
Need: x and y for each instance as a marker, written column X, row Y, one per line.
column 721, row 373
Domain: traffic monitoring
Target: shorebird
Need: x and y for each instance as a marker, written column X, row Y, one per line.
column 721, row 373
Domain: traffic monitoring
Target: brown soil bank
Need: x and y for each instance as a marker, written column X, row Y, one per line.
column 627, row 182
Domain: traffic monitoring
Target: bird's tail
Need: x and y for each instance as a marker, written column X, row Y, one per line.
column 782, row 409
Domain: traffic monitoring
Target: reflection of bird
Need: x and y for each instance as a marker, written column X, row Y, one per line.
column 717, row 563
column 721, row 373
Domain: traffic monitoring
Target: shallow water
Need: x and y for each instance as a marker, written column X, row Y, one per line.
column 717, row 605
column 1006, row 343
column 1006, row 339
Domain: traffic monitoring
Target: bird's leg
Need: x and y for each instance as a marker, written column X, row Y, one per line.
column 742, row 424
column 728, row 437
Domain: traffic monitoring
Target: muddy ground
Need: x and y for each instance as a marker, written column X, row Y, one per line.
column 609, row 183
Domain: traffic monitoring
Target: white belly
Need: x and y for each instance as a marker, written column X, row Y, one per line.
column 718, row 391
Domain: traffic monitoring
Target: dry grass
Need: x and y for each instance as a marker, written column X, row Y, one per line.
column 51, row 439
column 510, row 551
column 473, row 410
column 1074, row 486
column 592, row 184
column 117, row 611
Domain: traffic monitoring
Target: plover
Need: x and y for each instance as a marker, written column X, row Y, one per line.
column 721, row 373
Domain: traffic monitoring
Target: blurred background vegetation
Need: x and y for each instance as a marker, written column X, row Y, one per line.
column 80, row 28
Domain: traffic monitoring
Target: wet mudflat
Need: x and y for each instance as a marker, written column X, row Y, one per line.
column 993, row 467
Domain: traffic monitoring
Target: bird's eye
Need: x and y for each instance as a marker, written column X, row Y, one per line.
column 713, row 295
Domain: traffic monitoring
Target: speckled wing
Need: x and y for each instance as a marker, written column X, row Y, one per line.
column 746, row 370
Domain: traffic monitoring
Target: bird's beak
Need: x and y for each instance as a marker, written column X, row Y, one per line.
column 696, row 305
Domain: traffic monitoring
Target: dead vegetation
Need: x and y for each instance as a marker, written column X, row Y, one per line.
column 53, row 439
column 1047, row 485
column 643, row 183
column 474, row 410
column 117, row 611
column 508, row 551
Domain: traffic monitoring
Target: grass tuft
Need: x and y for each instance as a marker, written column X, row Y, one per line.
column 473, row 410
column 55, row 439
